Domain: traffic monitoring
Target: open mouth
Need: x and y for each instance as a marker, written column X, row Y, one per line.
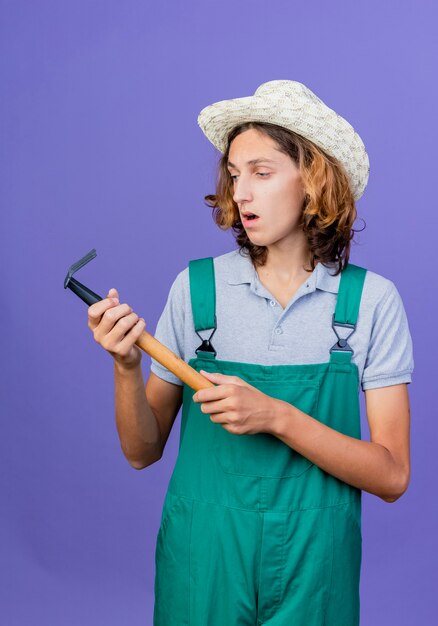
column 249, row 217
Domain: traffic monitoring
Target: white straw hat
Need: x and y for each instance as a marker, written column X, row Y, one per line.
column 292, row 105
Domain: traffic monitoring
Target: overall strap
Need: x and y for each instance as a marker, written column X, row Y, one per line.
column 347, row 310
column 203, row 299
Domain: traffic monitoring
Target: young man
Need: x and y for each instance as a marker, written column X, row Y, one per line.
column 262, row 518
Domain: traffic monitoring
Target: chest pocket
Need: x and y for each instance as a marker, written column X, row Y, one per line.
column 262, row 454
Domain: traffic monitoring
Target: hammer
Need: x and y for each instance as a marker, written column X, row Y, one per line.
column 146, row 341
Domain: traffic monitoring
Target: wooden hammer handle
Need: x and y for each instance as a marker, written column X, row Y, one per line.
column 172, row 362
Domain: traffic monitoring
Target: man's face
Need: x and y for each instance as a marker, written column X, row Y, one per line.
column 271, row 188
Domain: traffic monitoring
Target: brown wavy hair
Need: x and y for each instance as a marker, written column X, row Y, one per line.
column 328, row 211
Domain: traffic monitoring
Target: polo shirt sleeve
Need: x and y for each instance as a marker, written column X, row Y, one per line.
column 389, row 360
column 170, row 329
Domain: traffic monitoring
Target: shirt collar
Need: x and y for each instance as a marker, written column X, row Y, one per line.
column 243, row 271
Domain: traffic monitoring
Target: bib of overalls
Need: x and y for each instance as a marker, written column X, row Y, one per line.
column 251, row 531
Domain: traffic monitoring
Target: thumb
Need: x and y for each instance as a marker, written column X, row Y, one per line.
column 113, row 293
column 210, row 374
column 218, row 378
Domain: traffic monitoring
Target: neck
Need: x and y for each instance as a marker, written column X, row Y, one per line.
column 287, row 264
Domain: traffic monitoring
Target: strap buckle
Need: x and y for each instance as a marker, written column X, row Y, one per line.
column 342, row 344
column 206, row 345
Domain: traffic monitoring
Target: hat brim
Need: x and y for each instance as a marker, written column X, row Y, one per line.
column 313, row 120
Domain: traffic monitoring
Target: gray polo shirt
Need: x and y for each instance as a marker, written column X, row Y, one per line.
column 253, row 327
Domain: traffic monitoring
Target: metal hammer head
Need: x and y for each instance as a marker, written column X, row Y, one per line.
column 77, row 266
column 78, row 288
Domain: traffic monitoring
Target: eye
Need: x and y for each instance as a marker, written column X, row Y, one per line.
column 264, row 174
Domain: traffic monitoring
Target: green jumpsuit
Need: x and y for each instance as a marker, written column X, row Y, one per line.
column 251, row 531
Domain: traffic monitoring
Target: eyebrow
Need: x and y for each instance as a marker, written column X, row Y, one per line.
column 254, row 161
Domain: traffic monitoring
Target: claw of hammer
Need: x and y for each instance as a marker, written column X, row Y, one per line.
column 146, row 342
column 78, row 288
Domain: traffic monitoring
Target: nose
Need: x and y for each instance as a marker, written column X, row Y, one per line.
column 242, row 191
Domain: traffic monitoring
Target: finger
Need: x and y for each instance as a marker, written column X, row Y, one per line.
column 210, row 408
column 222, row 378
column 219, row 418
column 218, row 392
column 113, row 293
column 120, row 328
column 124, row 346
column 96, row 310
column 111, row 317
column 212, row 394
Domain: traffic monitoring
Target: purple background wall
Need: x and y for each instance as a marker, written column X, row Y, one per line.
column 100, row 148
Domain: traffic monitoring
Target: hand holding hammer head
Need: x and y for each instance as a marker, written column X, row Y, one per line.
column 121, row 331
column 117, row 329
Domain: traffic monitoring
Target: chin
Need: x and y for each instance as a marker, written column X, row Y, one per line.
column 259, row 240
